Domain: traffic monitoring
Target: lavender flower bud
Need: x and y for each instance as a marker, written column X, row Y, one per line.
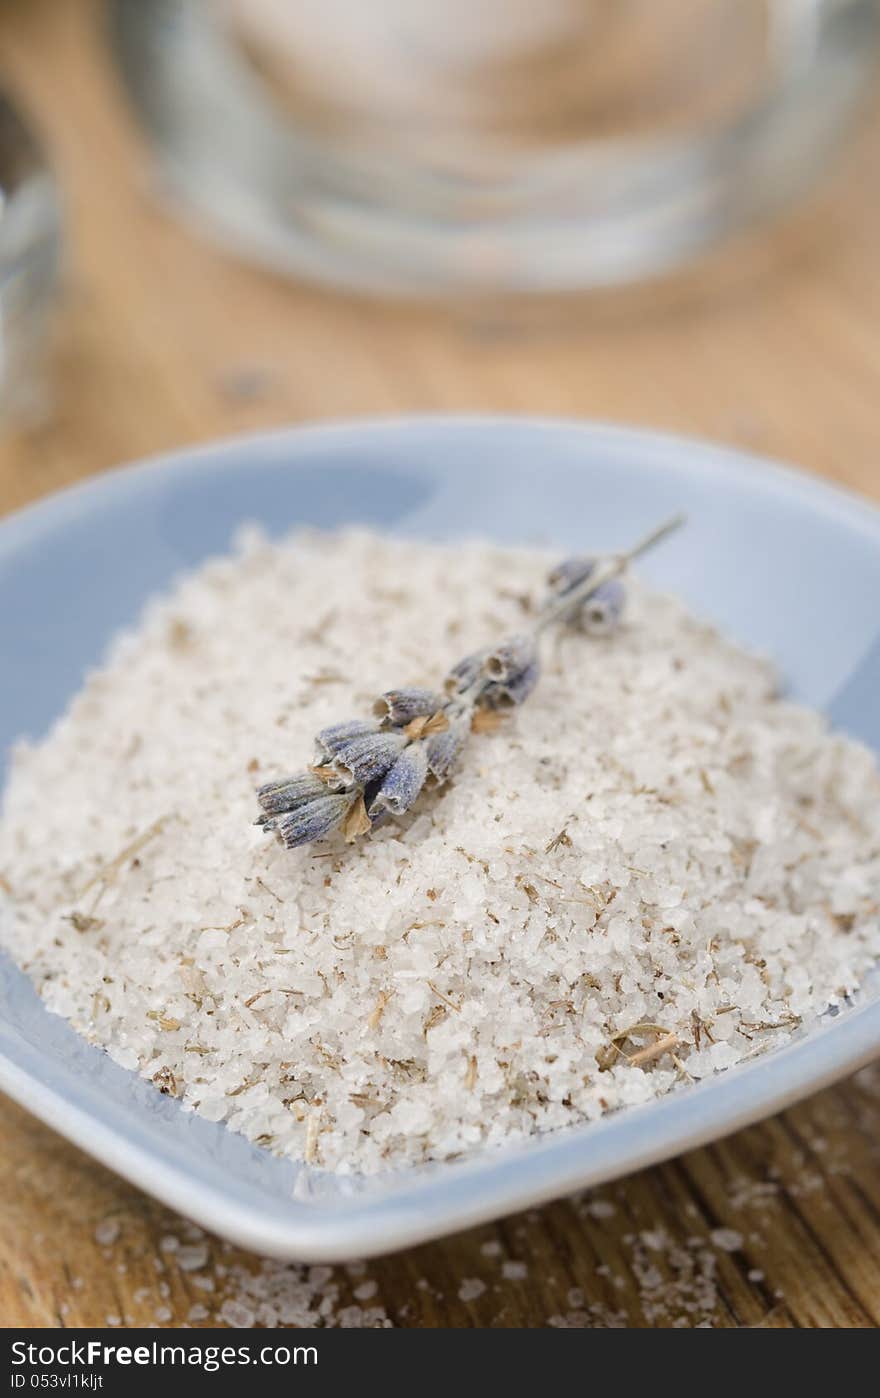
column 444, row 748
column 402, row 784
column 565, row 578
column 368, row 757
column 313, row 820
column 330, row 740
column 510, row 659
column 515, row 691
column 287, row 793
column 367, row 770
column 600, row 613
column 401, row 706
column 571, row 572
column 465, row 673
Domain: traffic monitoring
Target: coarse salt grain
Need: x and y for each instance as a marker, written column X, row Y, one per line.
column 654, row 839
column 192, row 1256
column 727, row 1239
column 106, row 1232
column 237, row 1315
column 600, row 1208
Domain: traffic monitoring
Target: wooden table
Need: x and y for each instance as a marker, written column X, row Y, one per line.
column 159, row 333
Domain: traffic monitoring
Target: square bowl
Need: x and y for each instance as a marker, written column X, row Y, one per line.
column 784, row 564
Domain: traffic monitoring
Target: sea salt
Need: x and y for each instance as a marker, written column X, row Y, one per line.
column 600, row 1208
column 106, row 1232
column 192, row 1257
column 727, row 1239
column 678, row 1289
column 652, row 871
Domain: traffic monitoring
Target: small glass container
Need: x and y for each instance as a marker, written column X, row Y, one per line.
column 448, row 146
column 30, row 237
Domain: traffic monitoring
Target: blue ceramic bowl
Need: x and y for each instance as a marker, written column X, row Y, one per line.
column 782, row 562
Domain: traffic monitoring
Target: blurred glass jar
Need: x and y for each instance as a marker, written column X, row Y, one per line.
column 443, row 146
column 30, row 237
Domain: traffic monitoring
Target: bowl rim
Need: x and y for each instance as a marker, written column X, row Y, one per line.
column 776, row 476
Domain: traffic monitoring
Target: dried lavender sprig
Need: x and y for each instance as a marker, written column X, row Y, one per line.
column 602, row 610
column 604, row 570
column 398, row 707
column 601, row 613
column 475, row 679
column 276, row 798
column 402, row 782
column 367, row 769
column 444, row 748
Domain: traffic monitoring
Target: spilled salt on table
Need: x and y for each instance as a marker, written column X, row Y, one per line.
column 652, row 871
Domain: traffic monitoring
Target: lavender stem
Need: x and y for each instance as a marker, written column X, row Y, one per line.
column 609, row 568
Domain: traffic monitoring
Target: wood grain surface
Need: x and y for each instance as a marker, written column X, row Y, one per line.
column 162, row 341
